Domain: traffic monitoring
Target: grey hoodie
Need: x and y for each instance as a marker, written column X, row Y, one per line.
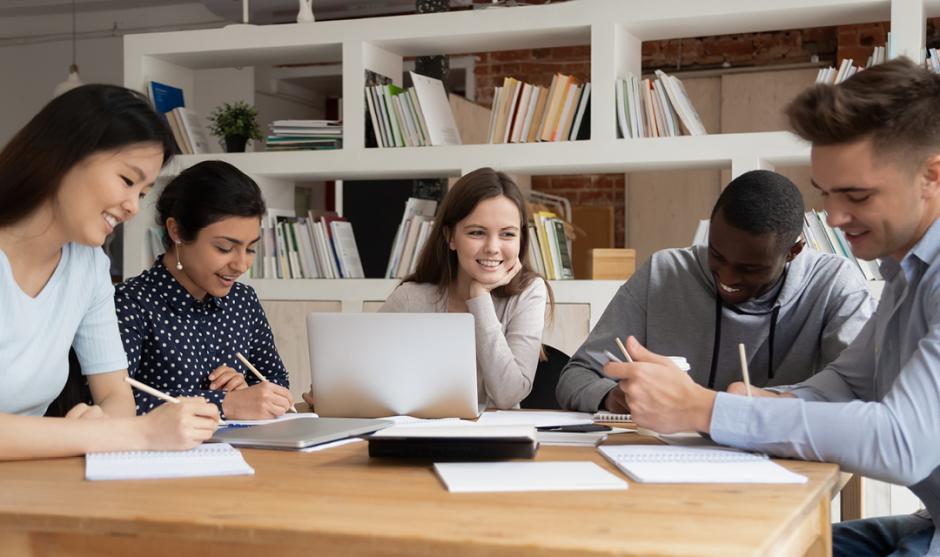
column 670, row 305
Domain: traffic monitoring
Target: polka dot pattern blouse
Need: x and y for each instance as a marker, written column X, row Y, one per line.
column 173, row 341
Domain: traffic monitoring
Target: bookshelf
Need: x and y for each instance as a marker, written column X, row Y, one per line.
column 614, row 30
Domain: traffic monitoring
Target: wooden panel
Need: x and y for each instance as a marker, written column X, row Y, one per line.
column 665, row 207
column 568, row 327
column 612, row 264
column 705, row 94
column 288, row 319
column 596, row 230
column 754, row 101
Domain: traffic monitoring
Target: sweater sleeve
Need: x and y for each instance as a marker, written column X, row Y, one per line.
column 582, row 385
column 508, row 361
column 847, row 311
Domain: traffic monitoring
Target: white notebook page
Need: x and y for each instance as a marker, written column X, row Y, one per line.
column 208, row 459
column 671, row 464
column 477, row 477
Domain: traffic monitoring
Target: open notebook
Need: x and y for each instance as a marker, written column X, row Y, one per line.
column 671, row 464
column 208, row 459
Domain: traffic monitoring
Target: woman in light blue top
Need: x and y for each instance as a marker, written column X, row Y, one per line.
column 72, row 174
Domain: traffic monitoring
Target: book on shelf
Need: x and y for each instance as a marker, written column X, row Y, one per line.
column 432, row 98
column 405, row 248
column 524, row 113
column 306, row 247
column 933, row 60
column 193, row 132
column 414, row 117
column 165, row 98
column 347, row 253
column 549, row 249
column 658, row 107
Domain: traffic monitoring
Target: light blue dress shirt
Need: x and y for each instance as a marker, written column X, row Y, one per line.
column 875, row 410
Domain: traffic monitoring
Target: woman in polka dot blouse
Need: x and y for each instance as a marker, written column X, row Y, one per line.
column 184, row 319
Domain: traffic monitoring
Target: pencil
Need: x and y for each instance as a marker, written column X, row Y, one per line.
column 744, row 373
column 623, row 349
column 150, row 390
column 257, row 373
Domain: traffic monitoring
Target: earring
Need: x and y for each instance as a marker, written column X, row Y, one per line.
column 179, row 264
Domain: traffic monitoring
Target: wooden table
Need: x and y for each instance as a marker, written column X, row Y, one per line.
column 339, row 502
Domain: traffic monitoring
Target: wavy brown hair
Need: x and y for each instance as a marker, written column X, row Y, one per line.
column 438, row 264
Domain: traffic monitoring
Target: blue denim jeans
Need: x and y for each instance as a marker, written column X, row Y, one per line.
column 886, row 536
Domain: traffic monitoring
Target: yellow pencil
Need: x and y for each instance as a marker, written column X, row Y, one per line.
column 257, row 373
column 150, row 390
column 623, row 349
column 744, row 373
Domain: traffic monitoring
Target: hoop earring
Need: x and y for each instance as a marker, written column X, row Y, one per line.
column 179, row 264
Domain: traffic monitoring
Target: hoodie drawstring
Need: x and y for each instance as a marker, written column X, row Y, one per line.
column 717, row 342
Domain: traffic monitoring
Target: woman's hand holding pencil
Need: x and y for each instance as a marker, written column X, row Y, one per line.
column 181, row 424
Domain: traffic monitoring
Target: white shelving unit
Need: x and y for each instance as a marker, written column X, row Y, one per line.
column 613, row 28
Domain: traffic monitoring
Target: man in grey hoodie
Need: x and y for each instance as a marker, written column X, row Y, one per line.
column 795, row 310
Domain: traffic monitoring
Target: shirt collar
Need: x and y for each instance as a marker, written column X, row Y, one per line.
column 174, row 292
column 927, row 249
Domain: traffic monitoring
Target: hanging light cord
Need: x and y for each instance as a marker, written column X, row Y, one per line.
column 73, row 34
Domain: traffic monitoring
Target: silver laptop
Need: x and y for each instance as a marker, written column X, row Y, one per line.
column 369, row 365
column 297, row 433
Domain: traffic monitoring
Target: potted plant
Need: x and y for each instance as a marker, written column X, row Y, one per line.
column 236, row 123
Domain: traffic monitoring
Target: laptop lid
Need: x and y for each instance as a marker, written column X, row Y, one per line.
column 370, row 365
column 299, row 433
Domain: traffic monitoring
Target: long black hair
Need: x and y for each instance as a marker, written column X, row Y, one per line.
column 71, row 127
column 207, row 193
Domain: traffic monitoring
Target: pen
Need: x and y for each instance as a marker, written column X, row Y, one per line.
column 257, row 373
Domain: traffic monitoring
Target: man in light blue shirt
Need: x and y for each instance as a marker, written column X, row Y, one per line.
column 875, row 410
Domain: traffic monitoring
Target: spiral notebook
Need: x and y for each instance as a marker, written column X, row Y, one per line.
column 671, row 464
column 208, row 459
column 604, row 416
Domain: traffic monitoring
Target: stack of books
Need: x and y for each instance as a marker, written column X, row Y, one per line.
column 549, row 247
column 655, row 108
column 298, row 135
column 415, row 117
column 824, row 238
column 525, row 113
column 847, row 68
column 412, row 235
column 306, row 247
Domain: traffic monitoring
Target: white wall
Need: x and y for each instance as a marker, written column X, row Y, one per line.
column 31, row 72
column 35, row 52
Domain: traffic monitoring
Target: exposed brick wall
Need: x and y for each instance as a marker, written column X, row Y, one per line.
column 747, row 49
